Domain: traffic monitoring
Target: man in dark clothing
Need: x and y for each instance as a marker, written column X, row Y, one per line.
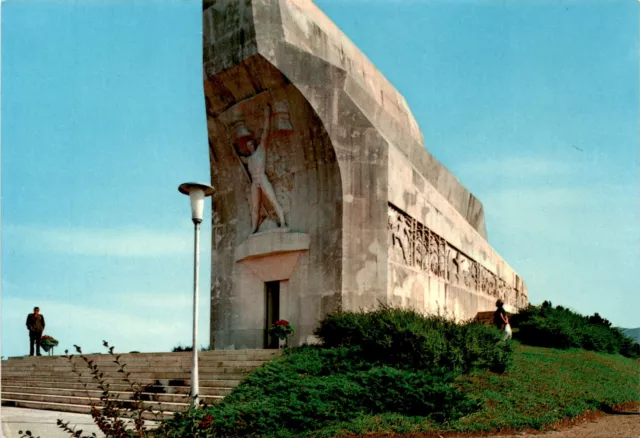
column 500, row 316
column 35, row 325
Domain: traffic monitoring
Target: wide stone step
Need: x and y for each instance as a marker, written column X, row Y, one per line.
column 79, row 409
column 226, row 383
column 243, row 367
column 73, row 400
column 139, row 365
column 159, row 389
column 118, row 377
column 216, row 355
column 28, row 393
column 50, row 382
column 151, row 370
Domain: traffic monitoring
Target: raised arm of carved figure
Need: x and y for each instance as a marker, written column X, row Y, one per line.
column 265, row 131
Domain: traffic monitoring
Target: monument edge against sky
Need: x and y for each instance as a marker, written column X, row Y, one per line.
column 326, row 198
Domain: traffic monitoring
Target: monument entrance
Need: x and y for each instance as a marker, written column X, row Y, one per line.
column 272, row 306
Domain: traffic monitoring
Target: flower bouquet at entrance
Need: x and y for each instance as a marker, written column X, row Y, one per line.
column 282, row 329
column 48, row 342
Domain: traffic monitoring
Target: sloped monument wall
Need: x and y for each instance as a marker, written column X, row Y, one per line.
column 326, row 197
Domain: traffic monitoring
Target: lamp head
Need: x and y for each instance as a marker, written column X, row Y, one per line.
column 196, row 192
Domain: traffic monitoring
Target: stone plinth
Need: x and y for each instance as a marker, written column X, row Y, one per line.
column 273, row 255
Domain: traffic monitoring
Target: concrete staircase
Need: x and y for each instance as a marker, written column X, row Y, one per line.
column 48, row 382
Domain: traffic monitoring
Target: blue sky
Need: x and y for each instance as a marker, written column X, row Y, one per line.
column 532, row 104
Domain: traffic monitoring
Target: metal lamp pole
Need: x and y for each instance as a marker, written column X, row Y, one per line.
column 196, row 192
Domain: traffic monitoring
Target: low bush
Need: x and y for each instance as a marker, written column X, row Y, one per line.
column 179, row 348
column 390, row 363
column 304, row 394
column 559, row 327
column 408, row 339
column 305, row 391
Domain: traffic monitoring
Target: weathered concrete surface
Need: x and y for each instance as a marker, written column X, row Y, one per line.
column 272, row 256
column 308, row 28
column 335, row 174
column 437, row 261
column 306, row 177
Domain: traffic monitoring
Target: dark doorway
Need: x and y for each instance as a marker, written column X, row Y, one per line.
column 272, row 306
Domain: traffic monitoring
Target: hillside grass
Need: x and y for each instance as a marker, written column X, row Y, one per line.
column 393, row 362
column 543, row 386
column 547, row 385
column 345, row 389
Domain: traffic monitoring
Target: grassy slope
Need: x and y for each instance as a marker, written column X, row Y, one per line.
column 545, row 386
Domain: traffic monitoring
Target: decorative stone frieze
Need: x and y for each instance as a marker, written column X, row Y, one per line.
column 416, row 246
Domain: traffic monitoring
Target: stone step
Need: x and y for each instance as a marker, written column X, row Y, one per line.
column 50, row 382
column 167, row 384
column 140, row 365
column 144, row 367
column 180, row 365
column 21, row 393
column 220, row 373
column 225, row 383
column 142, row 378
column 220, row 355
column 70, row 386
column 79, row 409
column 72, row 400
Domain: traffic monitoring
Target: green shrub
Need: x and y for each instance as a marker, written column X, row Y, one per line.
column 179, row 348
column 303, row 391
column 397, row 371
column 559, row 327
column 390, row 390
column 392, row 363
column 408, row 339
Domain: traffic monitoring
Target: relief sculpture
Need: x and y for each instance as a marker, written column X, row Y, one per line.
column 414, row 245
column 442, row 257
column 255, row 156
column 434, row 254
column 399, row 237
column 493, row 289
column 466, row 274
column 421, row 249
column 473, row 275
column 456, row 265
column 503, row 292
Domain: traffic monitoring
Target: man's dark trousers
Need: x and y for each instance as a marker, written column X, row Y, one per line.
column 34, row 337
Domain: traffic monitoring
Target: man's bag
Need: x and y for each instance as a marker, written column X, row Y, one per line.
column 507, row 331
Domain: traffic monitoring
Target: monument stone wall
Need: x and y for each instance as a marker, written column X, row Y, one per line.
column 326, row 198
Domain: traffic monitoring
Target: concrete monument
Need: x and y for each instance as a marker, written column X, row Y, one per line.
column 371, row 216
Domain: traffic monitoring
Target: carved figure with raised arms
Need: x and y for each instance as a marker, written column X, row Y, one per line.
column 260, row 184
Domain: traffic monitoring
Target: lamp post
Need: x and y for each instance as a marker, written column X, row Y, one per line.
column 197, row 192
